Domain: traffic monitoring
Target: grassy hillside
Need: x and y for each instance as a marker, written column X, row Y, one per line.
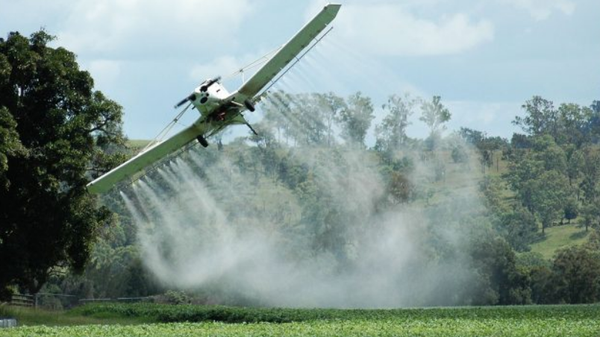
column 555, row 238
column 559, row 237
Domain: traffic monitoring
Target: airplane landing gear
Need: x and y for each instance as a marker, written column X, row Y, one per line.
column 202, row 141
column 249, row 105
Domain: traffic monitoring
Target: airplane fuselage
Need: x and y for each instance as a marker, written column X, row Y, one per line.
column 210, row 98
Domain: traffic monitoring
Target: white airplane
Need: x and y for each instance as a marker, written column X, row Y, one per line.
column 217, row 107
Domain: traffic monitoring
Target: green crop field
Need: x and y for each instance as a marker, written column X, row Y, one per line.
column 187, row 320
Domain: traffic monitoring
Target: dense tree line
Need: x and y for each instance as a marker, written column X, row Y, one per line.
column 56, row 133
column 546, row 183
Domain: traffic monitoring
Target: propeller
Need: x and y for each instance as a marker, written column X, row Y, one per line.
column 203, row 88
column 187, row 99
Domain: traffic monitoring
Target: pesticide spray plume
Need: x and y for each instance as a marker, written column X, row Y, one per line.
column 200, row 225
column 209, row 221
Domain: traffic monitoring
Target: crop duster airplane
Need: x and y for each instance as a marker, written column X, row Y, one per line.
column 217, row 107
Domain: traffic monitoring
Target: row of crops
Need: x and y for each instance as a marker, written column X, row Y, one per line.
column 194, row 313
column 439, row 327
column 227, row 321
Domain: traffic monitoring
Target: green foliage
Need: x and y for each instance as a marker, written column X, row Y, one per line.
column 519, row 227
column 590, row 216
column 227, row 321
column 549, row 194
column 496, row 264
column 10, row 145
column 53, row 128
column 484, row 144
column 571, row 209
column 356, row 118
column 591, row 175
column 391, row 133
column 177, row 297
column 569, row 124
column 400, row 188
column 434, row 114
column 195, row 313
column 541, row 117
column 577, row 275
column 459, row 154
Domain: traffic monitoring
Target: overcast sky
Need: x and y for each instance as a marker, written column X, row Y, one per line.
column 485, row 58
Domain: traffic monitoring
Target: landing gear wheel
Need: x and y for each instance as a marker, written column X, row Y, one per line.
column 249, row 105
column 202, row 141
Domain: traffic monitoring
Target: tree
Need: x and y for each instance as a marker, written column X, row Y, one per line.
column 312, row 119
column 63, row 127
column 551, row 156
column 473, row 137
column 538, row 176
column 278, row 114
column 571, row 209
column 495, row 262
column 519, row 227
column 575, row 162
column 550, row 193
column 485, row 145
column 540, row 117
column 573, row 124
column 399, row 189
column 10, row 145
column 331, row 106
column 576, row 275
column 355, row 119
column 523, row 170
column 391, row 133
column 434, row 114
column 590, row 214
column 593, row 124
column 459, row 153
column 591, row 175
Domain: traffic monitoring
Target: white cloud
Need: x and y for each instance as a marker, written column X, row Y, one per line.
column 105, row 72
column 542, row 9
column 222, row 66
column 386, row 28
column 150, row 29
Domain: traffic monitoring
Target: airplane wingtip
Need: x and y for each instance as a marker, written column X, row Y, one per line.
column 333, row 8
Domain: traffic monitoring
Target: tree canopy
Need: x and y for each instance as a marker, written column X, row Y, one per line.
column 54, row 128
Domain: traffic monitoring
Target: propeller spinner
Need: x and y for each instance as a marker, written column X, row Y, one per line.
column 203, row 88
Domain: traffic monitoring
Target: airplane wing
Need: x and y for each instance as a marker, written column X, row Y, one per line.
column 287, row 53
column 145, row 158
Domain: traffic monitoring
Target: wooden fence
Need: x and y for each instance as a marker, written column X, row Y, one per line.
column 23, row 300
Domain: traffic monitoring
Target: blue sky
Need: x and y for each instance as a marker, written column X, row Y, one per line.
column 484, row 57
